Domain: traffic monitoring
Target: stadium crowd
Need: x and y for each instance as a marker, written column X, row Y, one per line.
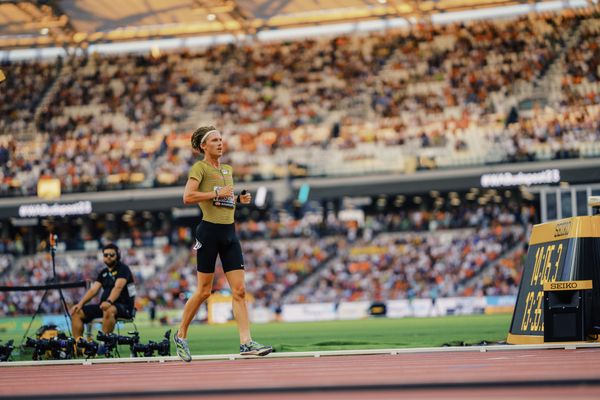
column 21, row 95
column 431, row 97
column 367, row 261
column 415, row 265
column 440, row 253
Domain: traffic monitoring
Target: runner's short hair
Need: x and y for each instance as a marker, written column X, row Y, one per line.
column 199, row 136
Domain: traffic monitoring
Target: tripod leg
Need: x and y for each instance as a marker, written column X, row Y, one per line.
column 55, row 280
column 33, row 317
column 65, row 311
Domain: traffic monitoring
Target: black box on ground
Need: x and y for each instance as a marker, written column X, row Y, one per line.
column 567, row 311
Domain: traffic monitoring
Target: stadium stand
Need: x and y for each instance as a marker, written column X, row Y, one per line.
column 21, row 98
column 432, row 97
column 296, row 261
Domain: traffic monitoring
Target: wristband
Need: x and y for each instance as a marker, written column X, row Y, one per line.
column 110, row 302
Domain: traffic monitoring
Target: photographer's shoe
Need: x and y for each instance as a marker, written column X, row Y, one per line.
column 183, row 348
column 254, row 349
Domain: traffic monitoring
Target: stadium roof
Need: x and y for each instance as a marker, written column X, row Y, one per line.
column 45, row 23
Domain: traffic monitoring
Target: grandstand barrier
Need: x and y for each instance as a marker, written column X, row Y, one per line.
column 353, row 310
column 559, row 251
column 402, row 308
column 500, row 304
column 301, row 312
column 220, row 309
column 308, row 312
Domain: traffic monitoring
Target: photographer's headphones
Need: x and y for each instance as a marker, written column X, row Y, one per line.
column 114, row 247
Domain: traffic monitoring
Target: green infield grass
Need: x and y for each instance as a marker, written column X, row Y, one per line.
column 372, row 333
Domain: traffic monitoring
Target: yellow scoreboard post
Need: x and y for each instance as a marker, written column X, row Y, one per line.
column 559, row 251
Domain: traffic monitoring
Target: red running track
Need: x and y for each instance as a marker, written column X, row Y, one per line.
column 543, row 374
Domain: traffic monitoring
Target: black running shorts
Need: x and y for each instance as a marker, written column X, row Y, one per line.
column 217, row 239
column 93, row 311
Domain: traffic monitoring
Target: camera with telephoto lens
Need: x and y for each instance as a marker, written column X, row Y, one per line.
column 89, row 347
column 111, row 341
column 59, row 347
column 6, row 350
column 163, row 348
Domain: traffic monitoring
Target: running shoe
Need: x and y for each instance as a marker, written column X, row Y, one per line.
column 183, row 348
column 254, row 349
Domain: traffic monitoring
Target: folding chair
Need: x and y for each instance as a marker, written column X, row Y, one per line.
column 89, row 329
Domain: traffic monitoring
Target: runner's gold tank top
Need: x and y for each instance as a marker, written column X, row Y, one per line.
column 222, row 209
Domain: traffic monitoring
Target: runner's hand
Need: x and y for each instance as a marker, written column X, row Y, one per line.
column 246, row 198
column 226, row 191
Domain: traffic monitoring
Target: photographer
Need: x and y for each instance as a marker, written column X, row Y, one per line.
column 118, row 295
